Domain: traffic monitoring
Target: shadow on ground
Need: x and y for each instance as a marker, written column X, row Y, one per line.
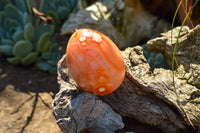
column 25, row 100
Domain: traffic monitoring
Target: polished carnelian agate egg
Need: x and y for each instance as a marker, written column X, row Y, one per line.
column 94, row 62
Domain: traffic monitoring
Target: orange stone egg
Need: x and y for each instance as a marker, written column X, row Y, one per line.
column 94, row 62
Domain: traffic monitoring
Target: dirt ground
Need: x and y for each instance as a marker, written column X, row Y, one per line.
column 26, row 95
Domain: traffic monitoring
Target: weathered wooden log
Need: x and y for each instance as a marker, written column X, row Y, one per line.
column 143, row 95
column 187, row 55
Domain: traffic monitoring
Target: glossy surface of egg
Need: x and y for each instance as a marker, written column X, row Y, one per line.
column 94, row 62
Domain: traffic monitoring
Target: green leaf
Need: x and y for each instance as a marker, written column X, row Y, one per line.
column 63, row 13
column 30, row 58
column 22, row 48
column 3, row 4
column 27, row 18
column 57, row 55
column 44, row 66
column 41, row 29
column 52, row 63
column 159, row 58
column 44, row 42
column 12, row 12
column 6, row 49
column 53, row 70
column 7, row 42
column 2, row 16
column 21, row 5
column 53, row 47
column 14, row 60
column 11, row 23
column 46, row 55
column 18, row 35
column 29, row 32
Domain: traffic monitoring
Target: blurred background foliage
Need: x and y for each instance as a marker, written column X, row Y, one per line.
column 27, row 39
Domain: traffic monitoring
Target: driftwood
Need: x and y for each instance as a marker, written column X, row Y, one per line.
column 143, row 95
column 187, row 55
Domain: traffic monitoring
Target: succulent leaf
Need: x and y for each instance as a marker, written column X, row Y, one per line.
column 44, row 66
column 63, row 13
column 2, row 16
column 29, row 32
column 6, row 49
column 12, row 12
column 53, row 47
column 42, row 28
column 22, row 48
column 53, row 70
column 7, row 42
column 44, row 42
column 3, row 4
column 30, row 58
column 52, row 63
column 3, row 33
column 11, row 24
column 27, row 18
column 154, row 59
column 159, row 60
column 18, row 35
column 46, row 55
column 56, row 55
column 14, row 60
column 21, row 5
column 61, row 7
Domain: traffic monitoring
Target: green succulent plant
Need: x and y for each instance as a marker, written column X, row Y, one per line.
column 155, row 60
column 24, row 37
column 59, row 9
